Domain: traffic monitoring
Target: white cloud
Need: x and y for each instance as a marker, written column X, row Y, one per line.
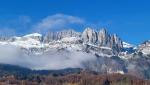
column 53, row 59
column 57, row 21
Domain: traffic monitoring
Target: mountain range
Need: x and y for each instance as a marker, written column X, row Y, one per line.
column 91, row 50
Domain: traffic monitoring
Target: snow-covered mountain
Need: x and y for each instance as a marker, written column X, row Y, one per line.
column 93, row 50
column 144, row 47
column 90, row 40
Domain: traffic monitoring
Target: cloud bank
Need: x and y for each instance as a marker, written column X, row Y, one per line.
column 53, row 59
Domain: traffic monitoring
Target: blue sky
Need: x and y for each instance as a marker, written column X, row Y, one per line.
column 130, row 19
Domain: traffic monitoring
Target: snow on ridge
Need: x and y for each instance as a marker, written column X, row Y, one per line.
column 33, row 34
column 71, row 39
column 127, row 45
column 27, row 41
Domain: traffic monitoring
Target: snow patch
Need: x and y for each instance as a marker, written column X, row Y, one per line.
column 33, row 34
column 127, row 45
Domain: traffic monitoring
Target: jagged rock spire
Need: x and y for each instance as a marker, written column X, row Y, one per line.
column 103, row 37
column 89, row 36
column 116, row 42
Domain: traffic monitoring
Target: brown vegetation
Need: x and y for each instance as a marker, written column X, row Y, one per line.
column 82, row 78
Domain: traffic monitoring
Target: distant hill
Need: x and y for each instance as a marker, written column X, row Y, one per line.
column 24, row 73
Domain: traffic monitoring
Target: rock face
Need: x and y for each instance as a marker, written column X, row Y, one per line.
column 50, row 36
column 53, row 36
column 89, row 36
column 116, row 42
column 102, row 39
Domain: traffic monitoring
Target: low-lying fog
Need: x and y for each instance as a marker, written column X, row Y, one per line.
column 53, row 59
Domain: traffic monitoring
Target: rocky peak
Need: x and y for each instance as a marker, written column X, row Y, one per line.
column 104, row 38
column 89, row 36
column 145, row 47
column 51, row 36
column 146, row 43
column 116, row 42
column 67, row 33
